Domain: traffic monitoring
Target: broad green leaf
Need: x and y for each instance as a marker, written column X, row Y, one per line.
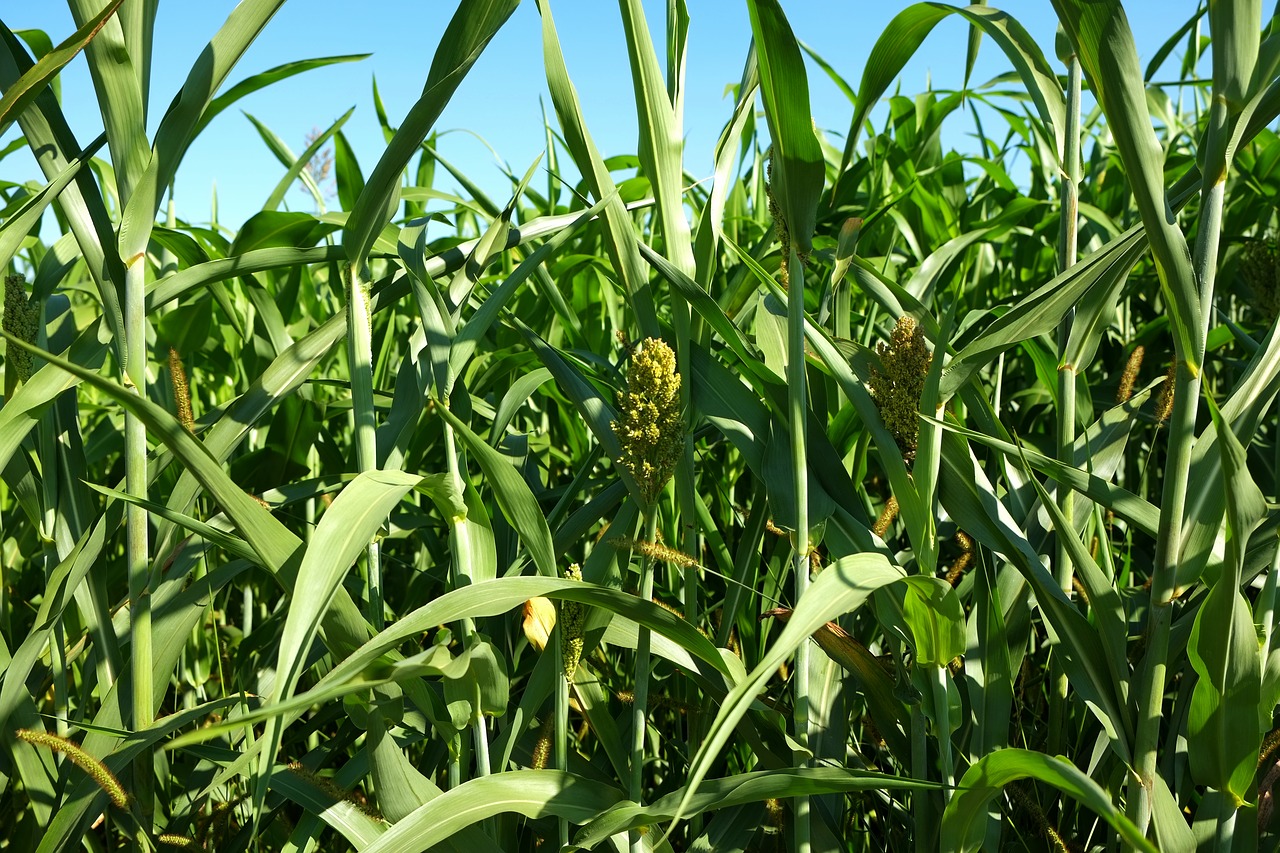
column 1235, row 27
column 711, row 220
column 45, row 129
column 181, row 121
column 347, row 818
column 1223, row 736
column 1144, row 515
column 346, row 173
column 754, row 787
column 964, row 821
column 908, row 30
column 21, row 412
column 119, row 69
column 271, row 229
column 798, row 168
column 622, row 243
column 402, row 788
column 263, row 79
column 233, row 545
column 513, row 495
column 841, row 588
column 1100, row 32
column 1104, row 602
column 1042, row 311
column 532, row 793
column 933, row 612
column 343, row 533
column 362, row 667
column 16, row 228
column 970, row 500
column 274, row 544
column 20, row 94
column 464, row 39
column 661, row 139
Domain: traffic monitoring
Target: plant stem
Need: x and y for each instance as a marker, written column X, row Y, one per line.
column 137, row 548
column 562, row 723
column 920, row 809
column 1066, row 410
column 798, row 400
column 942, row 714
column 1181, row 439
column 640, row 692
column 360, row 360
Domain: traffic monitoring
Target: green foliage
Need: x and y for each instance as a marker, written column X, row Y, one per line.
column 272, row 498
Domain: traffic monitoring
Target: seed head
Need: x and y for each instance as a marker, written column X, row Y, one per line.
column 1130, row 374
column 1260, row 269
column 86, row 762
column 887, row 515
column 542, row 746
column 22, row 320
column 181, row 391
column 656, row 551
column 651, row 430
column 897, row 390
column 1164, row 401
column 571, row 621
column 962, row 563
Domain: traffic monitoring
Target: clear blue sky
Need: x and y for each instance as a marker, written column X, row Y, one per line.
column 500, row 99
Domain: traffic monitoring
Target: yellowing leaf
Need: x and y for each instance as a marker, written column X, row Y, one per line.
column 539, row 619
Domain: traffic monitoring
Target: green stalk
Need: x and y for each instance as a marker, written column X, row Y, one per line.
column 842, row 299
column 797, row 400
column 461, row 576
column 562, row 723
column 920, row 806
column 942, row 710
column 640, row 692
column 1181, row 438
column 137, row 557
column 1267, row 605
column 454, row 770
column 1066, row 412
column 360, row 360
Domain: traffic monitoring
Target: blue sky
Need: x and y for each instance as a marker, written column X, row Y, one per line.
column 501, row 100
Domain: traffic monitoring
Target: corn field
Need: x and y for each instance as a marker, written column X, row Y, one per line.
column 867, row 495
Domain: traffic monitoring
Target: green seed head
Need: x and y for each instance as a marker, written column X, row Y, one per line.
column 22, row 320
column 86, row 762
column 1130, row 375
column 181, row 391
column 897, row 388
column 572, row 620
column 1260, row 269
column 651, row 430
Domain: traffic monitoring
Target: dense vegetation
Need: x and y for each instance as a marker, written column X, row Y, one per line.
column 865, row 497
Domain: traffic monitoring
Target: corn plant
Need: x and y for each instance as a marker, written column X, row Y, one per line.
column 868, row 495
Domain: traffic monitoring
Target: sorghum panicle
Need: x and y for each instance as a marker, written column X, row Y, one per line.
column 897, row 388
column 651, row 430
column 571, row 621
column 22, row 320
column 1260, row 269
